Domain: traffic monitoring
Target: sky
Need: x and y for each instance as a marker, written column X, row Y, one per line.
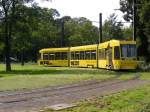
column 85, row 8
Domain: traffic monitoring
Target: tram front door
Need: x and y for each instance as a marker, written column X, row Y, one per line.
column 109, row 58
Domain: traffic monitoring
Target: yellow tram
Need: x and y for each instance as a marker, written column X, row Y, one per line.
column 113, row 54
column 83, row 56
column 117, row 55
column 54, row 57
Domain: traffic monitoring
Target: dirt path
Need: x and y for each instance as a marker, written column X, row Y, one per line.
column 34, row 100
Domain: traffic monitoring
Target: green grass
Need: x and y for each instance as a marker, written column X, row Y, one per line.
column 145, row 75
column 136, row 100
column 34, row 76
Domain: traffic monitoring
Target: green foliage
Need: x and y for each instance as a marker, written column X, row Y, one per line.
column 35, row 28
column 112, row 29
column 80, row 31
column 38, row 28
column 127, row 33
column 10, row 13
column 142, row 22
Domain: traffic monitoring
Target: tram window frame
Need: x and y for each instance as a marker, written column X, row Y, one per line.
column 117, row 52
column 51, row 56
column 130, row 51
column 44, row 56
column 77, row 55
column 88, row 57
column 82, row 55
column 57, row 56
column 64, row 56
column 102, row 54
column 40, row 56
column 93, row 55
column 61, row 56
column 124, row 51
column 72, row 55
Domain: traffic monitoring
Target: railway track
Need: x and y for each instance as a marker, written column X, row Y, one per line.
column 40, row 98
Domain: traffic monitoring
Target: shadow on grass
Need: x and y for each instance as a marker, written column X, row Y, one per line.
column 68, row 71
column 51, row 72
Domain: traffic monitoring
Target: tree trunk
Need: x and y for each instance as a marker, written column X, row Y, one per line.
column 7, row 46
column 22, row 57
column 8, row 34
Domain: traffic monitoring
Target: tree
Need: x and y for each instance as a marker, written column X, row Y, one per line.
column 80, row 31
column 35, row 29
column 144, row 29
column 127, row 33
column 112, row 29
column 8, row 14
column 1, row 43
column 142, row 23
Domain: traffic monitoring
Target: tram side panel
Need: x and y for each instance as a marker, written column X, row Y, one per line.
column 83, row 56
column 112, row 54
column 109, row 55
column 54, row 57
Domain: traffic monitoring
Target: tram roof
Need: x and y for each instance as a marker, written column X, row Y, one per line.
column 89, row 47
column 54, row 50
column 83, row 48
column 115, row 43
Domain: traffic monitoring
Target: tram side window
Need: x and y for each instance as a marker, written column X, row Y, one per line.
column 102, row 54
column 63, row 55
column 131, row 50
column 124, row 51
column 57, row 56
column 51, row 56
column 87, row 55
column 77, row 55
column 128, row 50
column 45, row 56
column 116, row 52
column 72, row 55
column 93, row 55
column 82, row 55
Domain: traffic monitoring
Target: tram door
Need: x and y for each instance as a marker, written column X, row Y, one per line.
column 109, row 57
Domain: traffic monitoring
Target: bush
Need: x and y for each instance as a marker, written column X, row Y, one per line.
column 143, row 66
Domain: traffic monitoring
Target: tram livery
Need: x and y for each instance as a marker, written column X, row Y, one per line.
column 113, row 54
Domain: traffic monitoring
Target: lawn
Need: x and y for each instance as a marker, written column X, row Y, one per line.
column 34, row 76
column 136, row 100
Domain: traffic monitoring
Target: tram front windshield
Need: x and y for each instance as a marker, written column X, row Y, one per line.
column 128, row 50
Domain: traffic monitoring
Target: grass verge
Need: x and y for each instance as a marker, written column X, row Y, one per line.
column 136, row 100
column 33, row 76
